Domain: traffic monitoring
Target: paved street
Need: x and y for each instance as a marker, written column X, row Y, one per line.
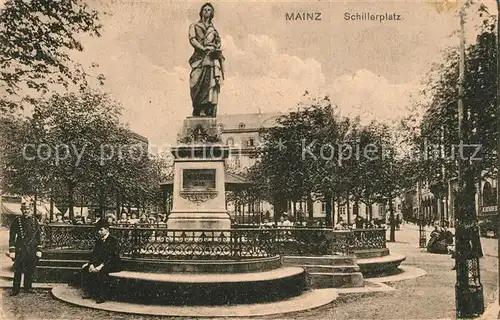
column 427, row 297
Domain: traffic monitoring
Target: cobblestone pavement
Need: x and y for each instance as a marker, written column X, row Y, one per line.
column 429, row 297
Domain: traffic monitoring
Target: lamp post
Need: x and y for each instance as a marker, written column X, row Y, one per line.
column 469, row 297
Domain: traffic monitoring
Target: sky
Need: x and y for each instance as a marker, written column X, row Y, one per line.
column 369, row 68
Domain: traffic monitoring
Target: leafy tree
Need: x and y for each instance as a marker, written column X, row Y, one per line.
column 23, row 172
column 36, row 37
column 315, row 154
column 368, row 169
column 289, row 158
column 397, row 174
column 78, row 153
column 439, row 127
column 75, row 127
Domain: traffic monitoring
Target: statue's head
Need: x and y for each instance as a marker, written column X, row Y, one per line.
column 207, row 9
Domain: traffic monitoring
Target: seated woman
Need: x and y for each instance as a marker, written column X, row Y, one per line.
column 437, row 243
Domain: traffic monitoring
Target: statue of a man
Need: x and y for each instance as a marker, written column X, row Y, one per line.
column 206, row 63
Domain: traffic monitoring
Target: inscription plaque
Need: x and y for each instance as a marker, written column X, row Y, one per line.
column 198, row 179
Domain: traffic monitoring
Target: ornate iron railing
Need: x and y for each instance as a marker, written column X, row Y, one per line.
column 362, row 239
column 139, row 241
column 74, row 237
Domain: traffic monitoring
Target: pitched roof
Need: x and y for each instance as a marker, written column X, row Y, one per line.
column 250, row 120
column 136, row 136
column 233, row 178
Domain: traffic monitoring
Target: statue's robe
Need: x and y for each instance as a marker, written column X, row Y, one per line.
column 206, row 68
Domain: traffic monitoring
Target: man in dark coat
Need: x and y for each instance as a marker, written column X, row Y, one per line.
column 359, row 221
column 105, row 258
column 24, row 248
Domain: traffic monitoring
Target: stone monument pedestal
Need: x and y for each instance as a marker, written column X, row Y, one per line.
column 199, row 199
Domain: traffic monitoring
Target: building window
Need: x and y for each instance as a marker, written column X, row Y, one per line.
column 489, row 195
column 230, row 142
column 250, row 142
column 342, row 210
column 241, row 125
column 382, row 210
column 237, row 162
column 323, row 207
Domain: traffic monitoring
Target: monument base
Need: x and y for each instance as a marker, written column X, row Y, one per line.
column 199, row 195
column 199, row 129
column 189, row 220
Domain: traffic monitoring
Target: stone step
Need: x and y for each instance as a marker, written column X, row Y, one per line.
column 321, row 260
column 61, row 263
column 379, row 265
column 66, row 254
column 319, row 280
column 6, row 273
column 330, row 268
column 55, row 274
column 200, row 266
column 371, row 253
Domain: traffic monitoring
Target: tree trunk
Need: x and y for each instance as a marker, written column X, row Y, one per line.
column 348, row 209
column 118, row 205
column 310, row 208
column 339, row 204
column 260, row 211
column 51, row 205
column 34, row 205
column 102, row 202
column 236, row 210
column 392, row 237
column 164, row 201
column 279, row 207
column 439, row 210
column 334, row 221
column 71, row 191
column 243, row 213
column 328, row 212
column 446, row 207
column 81, row 206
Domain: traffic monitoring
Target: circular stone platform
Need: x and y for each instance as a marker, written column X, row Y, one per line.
column 207, row 288
column 307, row 301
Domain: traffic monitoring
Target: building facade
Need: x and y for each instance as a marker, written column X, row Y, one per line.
column 440, row 206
